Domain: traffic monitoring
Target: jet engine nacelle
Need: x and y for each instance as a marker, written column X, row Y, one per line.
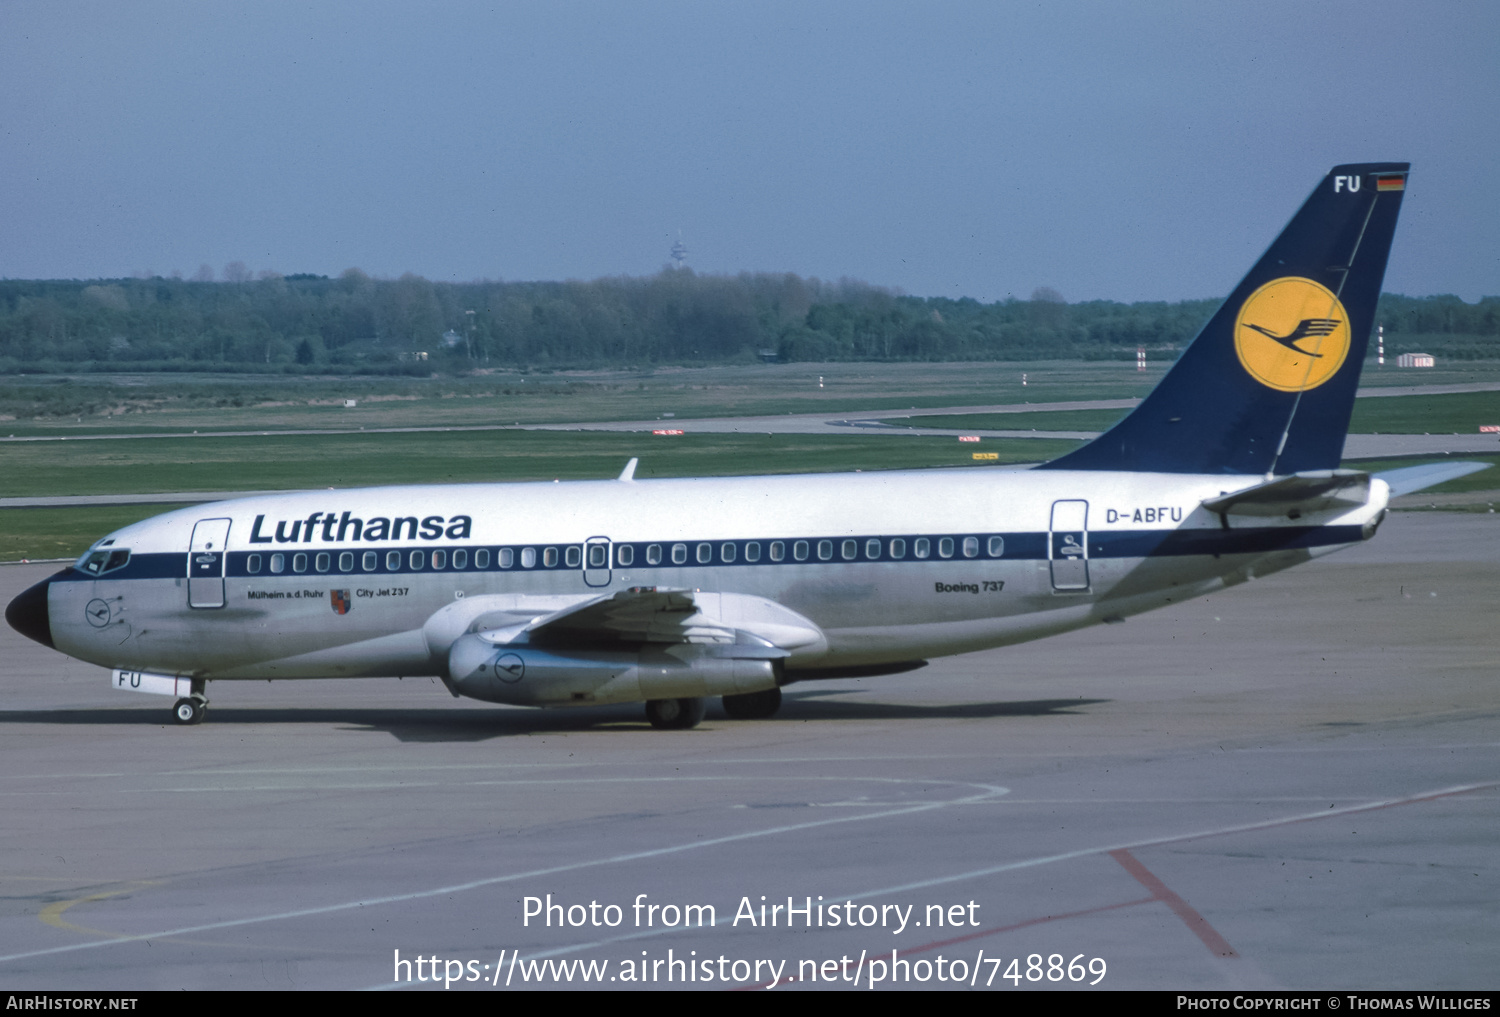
column 530, row 676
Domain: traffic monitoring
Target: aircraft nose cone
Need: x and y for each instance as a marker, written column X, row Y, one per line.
column 27, row 614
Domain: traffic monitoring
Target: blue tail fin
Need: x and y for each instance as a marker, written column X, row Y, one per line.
column 1268, row 385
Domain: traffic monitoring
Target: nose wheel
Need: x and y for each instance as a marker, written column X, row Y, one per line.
column 189, row 710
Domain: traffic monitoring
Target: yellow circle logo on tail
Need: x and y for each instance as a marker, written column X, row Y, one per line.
column 1292, row 334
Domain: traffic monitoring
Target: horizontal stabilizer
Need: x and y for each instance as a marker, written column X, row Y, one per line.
column 1410, row 479
column 1304, row 493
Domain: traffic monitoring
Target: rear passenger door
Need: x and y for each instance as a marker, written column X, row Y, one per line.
column 1068, row 546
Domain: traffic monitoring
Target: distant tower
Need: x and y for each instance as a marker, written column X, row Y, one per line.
column 679, row 250
column 1379, row 345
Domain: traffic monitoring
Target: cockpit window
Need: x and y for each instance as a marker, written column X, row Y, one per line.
column 97, row 563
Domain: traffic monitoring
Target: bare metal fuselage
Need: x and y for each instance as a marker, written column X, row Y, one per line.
column 1005, row 556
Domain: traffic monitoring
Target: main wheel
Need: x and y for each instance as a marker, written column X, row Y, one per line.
column 188, row 711
column 753, row 705
column 674, row 714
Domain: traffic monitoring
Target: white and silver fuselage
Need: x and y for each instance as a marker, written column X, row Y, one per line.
column 888, row 567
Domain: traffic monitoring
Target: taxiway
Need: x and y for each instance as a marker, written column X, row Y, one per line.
column 1293, row 783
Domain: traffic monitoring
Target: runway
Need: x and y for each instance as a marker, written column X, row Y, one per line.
column 1290, row 784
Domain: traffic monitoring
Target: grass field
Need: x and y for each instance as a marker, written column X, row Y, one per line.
column 281, row 462
column 338, row 460
column 1456, row 413
column 361, row 460
column 160, row 404
column 85, row 404
column 64, row 532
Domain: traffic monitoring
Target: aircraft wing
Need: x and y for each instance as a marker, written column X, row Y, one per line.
column 733, row 624
column 743, row 625
column 641, row 614
column 1410, row 479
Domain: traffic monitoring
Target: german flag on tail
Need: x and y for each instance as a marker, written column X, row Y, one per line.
column 1390, row 182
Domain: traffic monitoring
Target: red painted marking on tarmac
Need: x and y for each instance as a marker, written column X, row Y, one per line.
column 1195, row 922
column 939, row 944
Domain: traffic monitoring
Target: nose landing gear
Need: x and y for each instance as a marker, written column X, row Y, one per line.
column 189, row 709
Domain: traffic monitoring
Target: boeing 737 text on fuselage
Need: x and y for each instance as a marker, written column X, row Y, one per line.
column 669, row 591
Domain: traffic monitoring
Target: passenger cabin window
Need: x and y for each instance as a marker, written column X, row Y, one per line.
column 323, row 562
column 872, row 548
column 299, row 562
column 528, row 557
column 415, row 560
column 898, row 548
column 726, row 552
column 849, row 549
column 440, row 559
column 370, row 561
column 653, row 554
column 971, row 547
column 97, row 563
column 945, row 547
column 997, row 546
column 598, row 556
column 393, row 561
column 921, row 547
column 778, row 550
column 825, row 550
column 278, row 563
column 252, row 564
column 679, row 554
column 799, row 550
column 705, row 553
column 346, row 561
column 549, row 557
column 460, row 559
column 752, row 551
column 625, row 554
column 574, row 556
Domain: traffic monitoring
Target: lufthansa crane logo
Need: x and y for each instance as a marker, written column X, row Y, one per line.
column 510, row 668
column 1292, row 334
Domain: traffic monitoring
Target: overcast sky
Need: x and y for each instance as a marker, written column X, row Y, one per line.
column 1126, row 151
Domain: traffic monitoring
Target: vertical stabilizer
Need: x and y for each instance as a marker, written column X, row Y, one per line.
column 1268, row 385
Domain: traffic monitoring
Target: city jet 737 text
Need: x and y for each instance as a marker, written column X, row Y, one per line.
column 669, row 591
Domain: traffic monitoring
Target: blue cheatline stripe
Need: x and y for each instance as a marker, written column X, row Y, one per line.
column 750, row 553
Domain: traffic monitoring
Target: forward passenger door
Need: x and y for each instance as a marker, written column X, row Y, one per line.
column 205, row 564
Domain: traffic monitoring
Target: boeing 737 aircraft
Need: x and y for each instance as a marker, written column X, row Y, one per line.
column 669, row 591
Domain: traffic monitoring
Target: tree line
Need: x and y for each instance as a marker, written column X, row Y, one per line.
column 411, row 325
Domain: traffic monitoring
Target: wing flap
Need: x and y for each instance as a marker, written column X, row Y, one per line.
column 726, row 624
column 642, row 614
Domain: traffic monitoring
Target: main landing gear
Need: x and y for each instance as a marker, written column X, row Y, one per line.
column 681, row 714
column 753, row 705
column 674, row 714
